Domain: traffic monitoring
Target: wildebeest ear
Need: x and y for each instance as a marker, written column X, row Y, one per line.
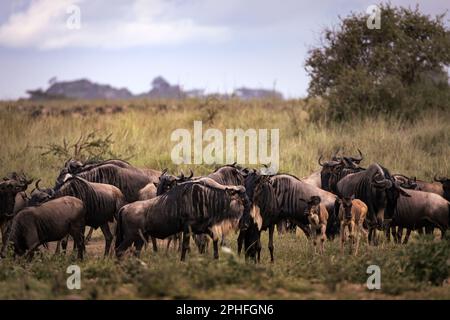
column 156, row 184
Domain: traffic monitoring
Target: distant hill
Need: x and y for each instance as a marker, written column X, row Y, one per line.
column 161, row 89
column 80, row 89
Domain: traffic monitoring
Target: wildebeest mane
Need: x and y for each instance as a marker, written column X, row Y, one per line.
column 228, row 175
column 111, row 174
column 94, row 203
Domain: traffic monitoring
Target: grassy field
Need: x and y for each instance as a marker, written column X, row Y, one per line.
column 140, row 132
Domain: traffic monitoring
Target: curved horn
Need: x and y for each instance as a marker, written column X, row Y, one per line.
column 164, row 171
column 191, row 175
column 383, row 183
column 439, row 179
column 360, row 157
column 320, row 158
column 37, row 185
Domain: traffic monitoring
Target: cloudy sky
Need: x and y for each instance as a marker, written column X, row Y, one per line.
column 209, row 44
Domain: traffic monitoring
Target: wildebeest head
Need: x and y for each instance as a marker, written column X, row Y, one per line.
column 39, row 195
column 327, row 169
column 312, row 210
column 167, row 181
column 239, row 201
column 345, row 207
column 11, row 185
column 392, row 190
column 445, row 186
column 405, row 182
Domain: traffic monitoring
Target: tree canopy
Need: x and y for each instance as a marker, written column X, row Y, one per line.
column 400, row 68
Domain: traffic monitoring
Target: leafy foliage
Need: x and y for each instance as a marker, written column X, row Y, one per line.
column 398, row 69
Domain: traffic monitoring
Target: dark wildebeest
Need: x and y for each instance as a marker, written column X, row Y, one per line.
column 128, row 179
column 102, row 202
column 167, row 182
column 135, row 183
column 264, row 213
column 12, row 199
column 202, row 206
column 50, row 221
column 230, row 175
column 337, row 168
column 280, row 200
column 377, row 189
column 421, row 209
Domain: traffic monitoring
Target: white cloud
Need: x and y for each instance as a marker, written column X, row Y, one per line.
column 145, row 22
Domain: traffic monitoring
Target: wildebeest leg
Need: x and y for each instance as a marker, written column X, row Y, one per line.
column 138, row 244
column 399, row 234
column 387, row 231
column 89, row 235
column 240, row 240
column 429, row 229
column 64, row 242
column 408, row 233
column 185, row 246
column 58, row 247
column 169, row 240
column 30, row 254
column 271, row 230
column 108, row 238
column 342, row 232
column 6, row 233
column 306, row 230
column 155, row 245
column 78, row 239
column 323, row 237
column 216, row 248
column 258, row 249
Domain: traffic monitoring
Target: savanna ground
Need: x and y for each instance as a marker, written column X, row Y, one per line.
column 140, row 132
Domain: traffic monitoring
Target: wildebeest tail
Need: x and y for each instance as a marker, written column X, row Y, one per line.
column 119, row 232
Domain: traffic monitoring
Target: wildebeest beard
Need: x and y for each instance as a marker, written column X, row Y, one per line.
column 7, row 201
column 94, row 202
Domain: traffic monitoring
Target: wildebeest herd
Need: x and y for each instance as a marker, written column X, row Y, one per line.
column 341, row 199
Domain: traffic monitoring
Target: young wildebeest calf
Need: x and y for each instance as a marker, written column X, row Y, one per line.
column 197, row 207
column 50, row 221
column 317, row 215
column 352, row 213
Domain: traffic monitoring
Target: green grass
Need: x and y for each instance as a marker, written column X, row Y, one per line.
column 142, row 135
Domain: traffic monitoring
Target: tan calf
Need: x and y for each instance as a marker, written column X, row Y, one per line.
column 317, row 216
column 352, row 213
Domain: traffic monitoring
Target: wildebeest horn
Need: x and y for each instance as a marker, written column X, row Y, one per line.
column 320, row 158
column 191, row 175
column 181, row 176
column 360, row 156
column 439, row 179
column 37, row 185
column 383, row 183
column 164, row 171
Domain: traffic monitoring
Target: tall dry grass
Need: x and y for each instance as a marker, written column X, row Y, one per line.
column 142, row 134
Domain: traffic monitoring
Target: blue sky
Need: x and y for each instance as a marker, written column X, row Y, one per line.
column 214, row 45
